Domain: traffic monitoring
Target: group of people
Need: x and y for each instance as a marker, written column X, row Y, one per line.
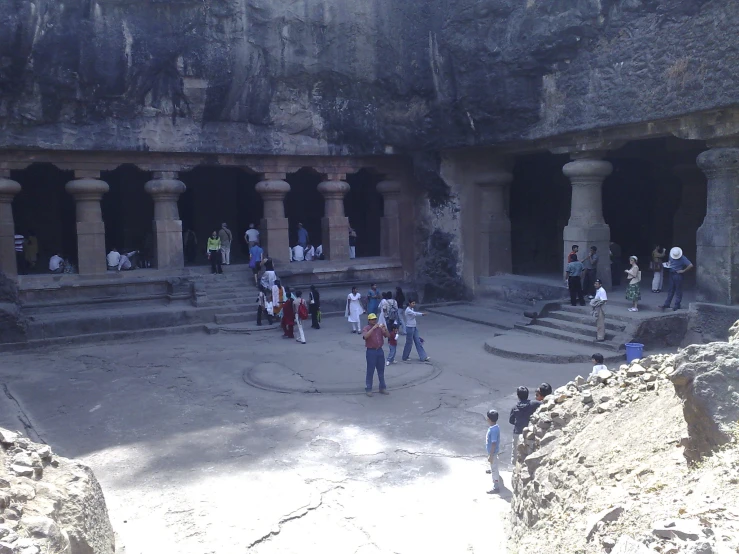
column 580, row 274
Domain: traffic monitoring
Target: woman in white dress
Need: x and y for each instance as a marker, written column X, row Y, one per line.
column 382, row 309
column 354, row 310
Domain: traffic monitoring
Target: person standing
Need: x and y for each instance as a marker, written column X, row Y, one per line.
column 30, row 250
column 382, row 310
column 302, row 236
column 213, row 250
column 373, row 299
column 400, row 299
column 658, row 256
column 264, row 306
column 352, row 243
column 373, row 334
column 354, row 309
column 590, row 271
column 226, row 237
column 20, row 260
column 678, row 265
column 251, row 235
column 598, row 303
column 278, row 297
column 288, row 316
column 412, row 337
column 314, row 306
column 269, row 276
column 573, row 276
column 190, row 242
column 256, row 254
column 633, row 292
column 391, row 310
column 492, row 445
column 392, row 342
column 520, row 416
column 301, row 313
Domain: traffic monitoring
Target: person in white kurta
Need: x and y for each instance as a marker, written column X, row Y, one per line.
column 354, row 310
column 299, row 322
column 382, row 311
column 598, row 304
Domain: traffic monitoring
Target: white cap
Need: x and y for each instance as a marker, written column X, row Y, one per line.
column 676, row 253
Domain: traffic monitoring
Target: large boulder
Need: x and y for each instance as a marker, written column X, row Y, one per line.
column 706, row 378
column 49, row 503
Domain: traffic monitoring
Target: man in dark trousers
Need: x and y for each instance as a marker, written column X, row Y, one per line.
column 520, row 416
column 573, row 276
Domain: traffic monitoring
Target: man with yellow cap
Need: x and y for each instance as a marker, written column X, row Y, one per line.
column 374, row 335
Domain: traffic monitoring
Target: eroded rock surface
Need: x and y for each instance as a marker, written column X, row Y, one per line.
column 49, row 503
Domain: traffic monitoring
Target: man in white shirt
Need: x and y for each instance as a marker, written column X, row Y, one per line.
column 319, row 251
column 113, row 259
column 56, row 264
column 251, row 235
column 310, row 253
column 598, row 304
column 298, row 253
column 125, row 262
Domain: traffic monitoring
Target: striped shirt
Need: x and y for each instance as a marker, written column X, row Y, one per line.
column 19, row 243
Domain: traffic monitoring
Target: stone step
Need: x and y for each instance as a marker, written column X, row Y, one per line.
column 585, row 318
column 539, row 349
column 570, row 337
column 609, row 314
column 571, row 327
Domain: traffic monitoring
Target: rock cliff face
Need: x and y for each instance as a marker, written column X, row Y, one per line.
column 351, row 76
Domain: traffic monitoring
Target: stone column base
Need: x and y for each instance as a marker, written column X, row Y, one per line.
column 275, row 239
column 91, row 247
column 168, row 249
column 335, row 232
column 390, row 237
column 598, row 235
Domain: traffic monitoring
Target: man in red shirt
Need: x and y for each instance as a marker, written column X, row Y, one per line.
column 373, row 335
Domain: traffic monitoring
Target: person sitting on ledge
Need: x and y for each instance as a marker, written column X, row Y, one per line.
column 56, row 264
column 113, row 259
column 310, row 253
column 126, row 262
column 319, row 252
column 298, row 253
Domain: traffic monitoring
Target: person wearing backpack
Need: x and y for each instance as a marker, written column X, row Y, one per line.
column 392, row 310
column 301, row 314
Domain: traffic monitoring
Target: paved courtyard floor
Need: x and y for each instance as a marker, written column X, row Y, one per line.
column 196, row 459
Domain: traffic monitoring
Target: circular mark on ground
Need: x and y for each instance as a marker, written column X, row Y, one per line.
column 335, row 379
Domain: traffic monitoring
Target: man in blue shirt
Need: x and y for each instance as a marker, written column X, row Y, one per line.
column 492, row 444
column 573, row 274
column 302, row 236
column 255, row 261
column 678, row 265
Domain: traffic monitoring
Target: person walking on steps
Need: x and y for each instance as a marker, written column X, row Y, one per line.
column 573, row 280
column 633, row 292
column 598, row 304
column 373, row 335
column 677, row 266
column 314, row 305
column 226, row 238
column 256, row 254
column 354, row 309
column 264, row 306
column 213, row 250
column 412, row 337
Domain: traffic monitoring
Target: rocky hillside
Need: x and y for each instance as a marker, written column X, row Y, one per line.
column 49, row 504
column 620, row 463
column 372, row 76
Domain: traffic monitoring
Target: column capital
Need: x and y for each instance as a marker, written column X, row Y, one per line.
column 333, row 188
column 163, row 175
column 273, row 188
column 388, row 187
column 8, row 189
column 587, row 171
column 719, row 161
column 164, row 187
column 87, row 189
column 274, row 176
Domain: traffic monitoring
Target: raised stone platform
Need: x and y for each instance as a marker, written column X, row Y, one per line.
column 540, row 349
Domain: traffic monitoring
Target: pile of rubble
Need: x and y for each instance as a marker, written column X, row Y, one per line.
column 49, row 504
column 618, row 463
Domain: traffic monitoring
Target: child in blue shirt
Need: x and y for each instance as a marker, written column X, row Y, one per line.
column 492, row 444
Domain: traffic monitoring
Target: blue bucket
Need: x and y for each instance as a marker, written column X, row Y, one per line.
column 633, row 351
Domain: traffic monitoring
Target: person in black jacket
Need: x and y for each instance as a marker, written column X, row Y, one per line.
column 314, row 307
column 520, row 416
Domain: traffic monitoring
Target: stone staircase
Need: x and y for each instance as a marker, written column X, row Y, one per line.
column 576, row 324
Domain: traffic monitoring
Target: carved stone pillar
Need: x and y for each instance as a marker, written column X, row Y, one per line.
column 586, row 226
column 87, row 190
column 165, row 190
column 334, row 224
column 390, row 221
column 717, row 240
column 274, row 232
column 494, row 232
column 8, row 189
column 689, row 216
